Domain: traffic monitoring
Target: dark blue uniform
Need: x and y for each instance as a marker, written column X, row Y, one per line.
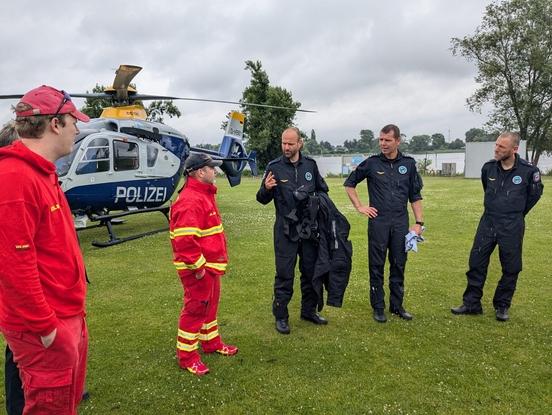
column 294, row 182
column 391, row 185
column 509, row 196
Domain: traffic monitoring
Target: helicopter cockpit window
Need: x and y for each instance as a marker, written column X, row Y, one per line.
column 125, row 156
column 96, row 157
column 152, row 153
column 64, row 164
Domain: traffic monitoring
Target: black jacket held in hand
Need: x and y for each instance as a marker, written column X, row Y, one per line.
column 510, row 192
column 335, row 251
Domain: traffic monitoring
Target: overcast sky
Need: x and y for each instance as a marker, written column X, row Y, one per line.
column 360, row 64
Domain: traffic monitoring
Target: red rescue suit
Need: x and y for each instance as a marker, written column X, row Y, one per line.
column 199, row 246
column 42, row 283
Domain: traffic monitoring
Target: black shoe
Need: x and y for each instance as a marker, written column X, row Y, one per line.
column 85, row 395
column 314, row 318
column 282, row 326
column 464, row 309
column 502, row 314
column 379, row 315
column 402, row 313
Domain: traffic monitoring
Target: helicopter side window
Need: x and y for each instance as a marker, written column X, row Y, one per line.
column 126, row 156
column 152, row 153
column 96, row 157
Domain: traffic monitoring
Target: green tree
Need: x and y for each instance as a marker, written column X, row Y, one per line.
column 351, row 145
column 475, row 134
column 327, row 147
column 419, row 143
column 156, row 111
column 311, row 146
column 512, row 49
column 264, row 126
column 93, row 107
column 456, row 144
column 367, row 143
column 438, row 141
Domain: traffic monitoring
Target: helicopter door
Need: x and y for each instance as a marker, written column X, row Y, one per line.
column 95, row 157
column 126, row 156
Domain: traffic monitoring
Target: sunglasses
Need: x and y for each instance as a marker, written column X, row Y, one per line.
column 66, row 98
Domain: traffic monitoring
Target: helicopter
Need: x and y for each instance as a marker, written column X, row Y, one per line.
column 122, row 164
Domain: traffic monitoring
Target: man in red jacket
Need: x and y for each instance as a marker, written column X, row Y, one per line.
column 200, row 257
column 42, row 278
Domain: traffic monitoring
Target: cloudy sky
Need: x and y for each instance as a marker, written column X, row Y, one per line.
column 360, row 64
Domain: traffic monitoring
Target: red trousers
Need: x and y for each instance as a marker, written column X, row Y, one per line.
column 53, row 378
column 198, row 318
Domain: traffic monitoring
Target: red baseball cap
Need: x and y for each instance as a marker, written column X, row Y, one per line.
column 46, row 100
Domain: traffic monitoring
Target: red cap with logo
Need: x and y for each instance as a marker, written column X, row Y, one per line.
column 46, row 100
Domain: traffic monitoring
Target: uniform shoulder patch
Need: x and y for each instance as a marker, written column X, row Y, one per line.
column 403, row 169
column 536, row 176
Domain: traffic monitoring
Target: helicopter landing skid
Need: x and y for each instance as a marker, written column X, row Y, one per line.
column 110, row 220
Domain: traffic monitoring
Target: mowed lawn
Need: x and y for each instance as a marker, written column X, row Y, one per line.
column 436, row 364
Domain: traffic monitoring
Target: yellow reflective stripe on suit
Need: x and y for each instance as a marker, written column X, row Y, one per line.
column 200, row 233
column 207, row 326
column 185, row 232
column 187, row 335
column 212, row 231
column 208, row 336
column 182, row 265
column 185, row 347
column 219, row 266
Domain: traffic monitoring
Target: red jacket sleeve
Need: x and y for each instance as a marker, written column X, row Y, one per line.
column 21, row 292
column 185, row 232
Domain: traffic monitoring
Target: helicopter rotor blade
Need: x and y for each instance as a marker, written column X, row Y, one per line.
column 93, row 95
column 12, row 96
column 149, row 97
column 123, row 77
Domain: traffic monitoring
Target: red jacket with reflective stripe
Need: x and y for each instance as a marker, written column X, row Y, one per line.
column 41, row 267
column 196, row 231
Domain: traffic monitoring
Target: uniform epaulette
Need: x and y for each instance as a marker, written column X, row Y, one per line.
column 525, row 162
column 490, row 162
column 307, row 157
column 408, row 157
column 271, row 162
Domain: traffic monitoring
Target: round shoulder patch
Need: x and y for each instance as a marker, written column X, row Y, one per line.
column 536, row 176
column 308, row 176
column 516, row 179
column 403, row 170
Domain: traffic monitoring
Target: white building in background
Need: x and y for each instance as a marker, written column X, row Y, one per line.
column 478, row 154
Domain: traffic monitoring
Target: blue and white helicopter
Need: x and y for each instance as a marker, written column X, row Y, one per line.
column 122, row 164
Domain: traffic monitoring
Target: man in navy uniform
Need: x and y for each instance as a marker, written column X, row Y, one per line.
column 512, row 187
column 393, row 181
column 288, row 181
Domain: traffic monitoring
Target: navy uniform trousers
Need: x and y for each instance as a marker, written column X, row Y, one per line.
column 506, row 232
column 386, row 235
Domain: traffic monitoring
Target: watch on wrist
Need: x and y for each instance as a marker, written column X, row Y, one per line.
column 419, row 222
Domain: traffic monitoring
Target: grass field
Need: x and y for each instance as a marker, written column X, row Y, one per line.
column 436, row 364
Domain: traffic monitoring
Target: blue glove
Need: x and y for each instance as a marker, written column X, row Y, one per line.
column 411, row 240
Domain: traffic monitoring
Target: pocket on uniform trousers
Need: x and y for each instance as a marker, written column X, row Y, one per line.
column 49, row 390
